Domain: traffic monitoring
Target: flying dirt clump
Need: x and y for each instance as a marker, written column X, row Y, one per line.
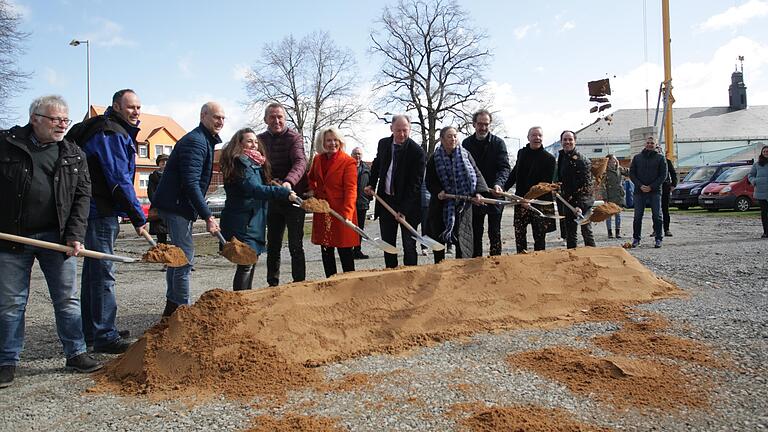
column 167, row 254
column 540, row 189
column 239, row 252
column 598, row 170
column 314, row 205
column 604, row 211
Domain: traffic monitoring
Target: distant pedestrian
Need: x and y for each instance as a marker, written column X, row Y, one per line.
column 50, row 188
column 758, row 176
column 180, row 197
column 612, row 190
column 156, row 225
column 363, row 201
column 648, row 171
column 490, row 153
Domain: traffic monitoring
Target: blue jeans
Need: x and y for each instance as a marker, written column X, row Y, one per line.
column 97, row 291
column 641, row 200
column 177, row 278
column 60, row 273
column 618, row 221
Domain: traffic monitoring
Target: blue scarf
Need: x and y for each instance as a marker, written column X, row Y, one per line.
column 457, row 177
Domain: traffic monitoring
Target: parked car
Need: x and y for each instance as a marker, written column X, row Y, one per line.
column 686, row 193
column 144, row 207
column 731, row 190
column 215, row 201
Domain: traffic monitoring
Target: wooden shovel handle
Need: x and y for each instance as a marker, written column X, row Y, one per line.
column 63, row 248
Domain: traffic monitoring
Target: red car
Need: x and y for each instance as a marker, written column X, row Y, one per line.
column 730, row 190
column 144, row 207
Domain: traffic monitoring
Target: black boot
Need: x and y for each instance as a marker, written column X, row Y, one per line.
column 618, row 232
column 243, row 279
column 170, row 308
column 610, row 233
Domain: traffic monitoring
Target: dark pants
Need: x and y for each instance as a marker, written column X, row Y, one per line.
column 524, row 217
column 764, row 214
column 97, row 295
column 388, row 226
column 494, row 230
column 570, row 231
column 666, row 190
column 360, row 223
column 162, row 238
column 282, row 215
column 243, row 279
column 641, row 200
column 329, row 260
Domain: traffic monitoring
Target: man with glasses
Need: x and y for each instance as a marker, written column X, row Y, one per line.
column 490, row 153
column 180, row 197
column 45, row 190
column 363, row 202
column 109, row 143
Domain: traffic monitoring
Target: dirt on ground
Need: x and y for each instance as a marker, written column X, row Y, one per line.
column 294, row 423
column 522, row 419
column 167, row 254
column 267, row 342
column 239, row 253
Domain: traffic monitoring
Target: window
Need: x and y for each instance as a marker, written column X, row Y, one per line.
column 162, row 149
column 143, row 180
column 143, row 150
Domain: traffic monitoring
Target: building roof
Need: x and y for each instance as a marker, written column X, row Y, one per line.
column 150, row 124
column 691, row 125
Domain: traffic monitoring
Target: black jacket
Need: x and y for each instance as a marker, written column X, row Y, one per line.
column 363, row 175
column 671, row 180
column 407, row 177
column 71, row 183
column 648, row 168
column 575, row 175
column 532, row 167
column 492, row 160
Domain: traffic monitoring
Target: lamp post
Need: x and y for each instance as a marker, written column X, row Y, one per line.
column 75, row 43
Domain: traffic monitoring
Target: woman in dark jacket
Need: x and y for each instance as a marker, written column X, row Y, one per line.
column 246, row 177
column 156, row 225
column 452, row 170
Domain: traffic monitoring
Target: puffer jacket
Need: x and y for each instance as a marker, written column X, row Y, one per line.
column 758, row 176
column 575, row 174
column 648, row 168
column 71, row 182
column 612, row 186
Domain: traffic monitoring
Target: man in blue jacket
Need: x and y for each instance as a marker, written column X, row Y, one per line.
column 109, row 143
column 648, row 171
column 180, row 197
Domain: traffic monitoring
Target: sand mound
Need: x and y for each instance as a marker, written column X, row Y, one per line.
column 314, row 205
column 294, row 423
column 604, row 211
column 163, row 253
column 621, row 381
column 262, row 342
column 239, row 252
column 525, row 418
column 540, row 189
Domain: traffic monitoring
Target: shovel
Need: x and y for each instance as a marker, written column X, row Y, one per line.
column 581, row 219
column 172, row 256
column 381, row 244
column 521, row 200
column 483, row 200
column 425, row 240
column 236, row 251
column 63, row 248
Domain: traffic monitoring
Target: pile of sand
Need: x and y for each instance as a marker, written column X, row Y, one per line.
column 167, row 254
column 604, row 211
column 239, row 253
column 540, row 189
column 314, row 205
column 523, row 418
column 264, row 342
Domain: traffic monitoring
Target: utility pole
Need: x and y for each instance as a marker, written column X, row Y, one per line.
column 669, row 135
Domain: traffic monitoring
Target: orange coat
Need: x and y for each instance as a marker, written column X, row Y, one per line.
column 338, row 186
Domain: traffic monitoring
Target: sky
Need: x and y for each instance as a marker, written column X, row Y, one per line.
column 177, row 55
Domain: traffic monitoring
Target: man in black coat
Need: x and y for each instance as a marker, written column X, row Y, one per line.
column 490, row 153
column 399, row 164
column 648, row 171
column 666, row 190
column 534, row 165
column 363, row 202
column 575, row 175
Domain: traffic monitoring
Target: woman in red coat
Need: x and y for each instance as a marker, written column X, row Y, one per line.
column 333, row 177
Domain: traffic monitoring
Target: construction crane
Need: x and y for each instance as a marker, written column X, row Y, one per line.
column 669, row 135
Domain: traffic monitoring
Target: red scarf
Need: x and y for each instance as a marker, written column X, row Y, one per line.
column 255, row 155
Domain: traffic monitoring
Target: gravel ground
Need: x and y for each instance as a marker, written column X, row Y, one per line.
column 718, row 259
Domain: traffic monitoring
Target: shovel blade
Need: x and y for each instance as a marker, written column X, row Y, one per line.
column 429, row 242
column 386, row 247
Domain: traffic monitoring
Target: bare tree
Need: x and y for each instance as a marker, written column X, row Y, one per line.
column 313, row 78
column 433, row 62
column 11, row 47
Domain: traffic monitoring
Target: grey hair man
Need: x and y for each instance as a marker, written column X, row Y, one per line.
column 363, row 201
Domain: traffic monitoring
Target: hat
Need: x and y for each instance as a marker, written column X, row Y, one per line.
column 160, row 158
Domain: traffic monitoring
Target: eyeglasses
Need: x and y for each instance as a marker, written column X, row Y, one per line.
column 59, row 120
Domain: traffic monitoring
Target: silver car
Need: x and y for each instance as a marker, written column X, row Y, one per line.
column 215, row 201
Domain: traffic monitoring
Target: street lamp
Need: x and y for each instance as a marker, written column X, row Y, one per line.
column 75, row 43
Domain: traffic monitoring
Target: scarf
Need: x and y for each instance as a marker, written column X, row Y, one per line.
column 255, row 155
column 457, row 177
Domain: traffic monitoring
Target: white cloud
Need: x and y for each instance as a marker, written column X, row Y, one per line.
column 108, row 34
column 568, row 25
column 240, row 72
column 52, row 77
column 736, row 15
column 522, row 32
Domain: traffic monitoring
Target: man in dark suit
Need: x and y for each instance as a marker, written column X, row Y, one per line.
column 363, row 202
column 490, row 154
column 400, row 164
